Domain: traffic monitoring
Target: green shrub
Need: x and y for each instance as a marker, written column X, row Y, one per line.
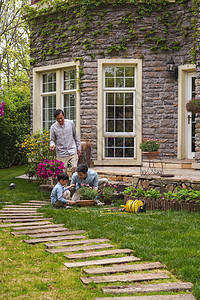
column 14, row 124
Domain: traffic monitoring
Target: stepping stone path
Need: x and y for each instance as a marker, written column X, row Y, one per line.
column 24, row 220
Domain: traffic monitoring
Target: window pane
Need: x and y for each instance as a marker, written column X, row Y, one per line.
column 119, row 147
column 70, row 106
column 109, row 82
column 109, row 72
column 129, row 99
column 110, row 126
column 118, row 126
column 48, row 107
column 129, row 82
column 110, row 112
column 110, row 99
column 129, row 126
column 120, row 72
column 49, row 82
column 70, row 79
column 119, row 98
column 119, row 112
column 128, row 112
column 129, row 71
column 119, row 82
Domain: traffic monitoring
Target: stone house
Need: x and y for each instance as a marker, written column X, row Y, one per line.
column 122, row 70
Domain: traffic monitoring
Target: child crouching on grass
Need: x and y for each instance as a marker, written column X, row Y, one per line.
column 60, row 195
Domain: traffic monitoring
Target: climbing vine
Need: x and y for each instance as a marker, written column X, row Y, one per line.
column 71, row 23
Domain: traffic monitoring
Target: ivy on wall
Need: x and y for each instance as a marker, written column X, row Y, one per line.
column 58, row 25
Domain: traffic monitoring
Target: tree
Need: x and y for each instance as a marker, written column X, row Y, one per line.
column 14, row 44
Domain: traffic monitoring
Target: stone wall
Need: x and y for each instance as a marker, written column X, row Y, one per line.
column 107, row 27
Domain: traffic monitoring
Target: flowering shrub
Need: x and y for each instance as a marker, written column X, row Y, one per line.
column 106, row 193
column 2, row 108
column 49, row 168
column 150, row 145
column 87, row 192
column 36, row 149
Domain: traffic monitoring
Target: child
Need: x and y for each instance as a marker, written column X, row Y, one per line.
column 60, row 195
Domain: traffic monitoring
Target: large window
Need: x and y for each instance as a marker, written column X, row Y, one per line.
column 119, row 111
column 48, row 99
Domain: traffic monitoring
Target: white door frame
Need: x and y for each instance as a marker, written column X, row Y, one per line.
column 183, row 72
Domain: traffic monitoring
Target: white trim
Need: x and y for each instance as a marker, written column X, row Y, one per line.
column 137, row 63
column 37, row 105
column 182, row 71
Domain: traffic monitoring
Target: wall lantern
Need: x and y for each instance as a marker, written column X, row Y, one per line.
column 172, row 69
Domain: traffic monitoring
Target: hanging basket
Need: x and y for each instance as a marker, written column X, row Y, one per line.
column 193, row 105
column 151, row 155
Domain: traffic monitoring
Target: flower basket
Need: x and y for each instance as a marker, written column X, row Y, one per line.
column 193, row 105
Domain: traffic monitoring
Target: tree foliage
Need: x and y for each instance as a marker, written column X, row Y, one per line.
column 14, row 45
column 14, row 124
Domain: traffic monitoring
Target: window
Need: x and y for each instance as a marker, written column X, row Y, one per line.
column 119, row 131
column 69, row 94
column 119, row 116
column 48, row 99
column 59, row 88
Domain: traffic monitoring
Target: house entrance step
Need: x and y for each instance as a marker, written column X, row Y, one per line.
column 107, row 261
column 124, row 268
column 154, row 297
column 126, row 278
column 98, row 253
column 148, row 288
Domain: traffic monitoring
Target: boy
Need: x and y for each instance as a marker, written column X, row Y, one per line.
column 60, row 195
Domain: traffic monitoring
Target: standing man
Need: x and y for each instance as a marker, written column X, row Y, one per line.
column 63, row 134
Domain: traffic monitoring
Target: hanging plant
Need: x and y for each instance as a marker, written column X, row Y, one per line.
column 193, row 105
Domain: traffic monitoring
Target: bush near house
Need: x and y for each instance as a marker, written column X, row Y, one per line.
column 14, row 124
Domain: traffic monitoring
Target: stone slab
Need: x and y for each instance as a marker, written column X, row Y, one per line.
column 35, row 204
column 49, row 234
column 98, row 253
column 57, row 238
column 148, row 288
column 79, row 248
column 23, row 220
column 42, row 227
column 88, row 241
column 27, row 212
column 22, row 206
column 19, row 208
column 124, row 278
column 124, row 268
column 56, row 229
column 106, row 261
column 24, row 224
column 154, row 297
column 40, row 201
column 13, row 217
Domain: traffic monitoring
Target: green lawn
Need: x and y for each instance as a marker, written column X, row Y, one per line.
column 173, row 238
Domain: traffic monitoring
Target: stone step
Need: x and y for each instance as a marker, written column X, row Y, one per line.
column 22, row 206
column 34, row 204
column 56, row 229
column 19, row 208
column 124, row 268
column 57, row 233
column 42, row 227
column 80, row 248
column 57, row 238
column 88, row 241
column 154, row 297
column 40, row 201
column 98, row 253
column 24, row 212
column 28, row 223
column 106, row 261
column 24, row 220
column 124, row 278
column 149, row 288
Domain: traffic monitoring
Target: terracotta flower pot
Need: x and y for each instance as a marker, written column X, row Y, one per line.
column 85, row 202
column 151, row 155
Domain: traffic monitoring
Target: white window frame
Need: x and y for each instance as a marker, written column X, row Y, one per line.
column 37, row 92
column 101, row 160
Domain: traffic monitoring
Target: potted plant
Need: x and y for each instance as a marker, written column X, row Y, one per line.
column 88, row 195
column 49, row 169
column 193, row 105
column 150, row 148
